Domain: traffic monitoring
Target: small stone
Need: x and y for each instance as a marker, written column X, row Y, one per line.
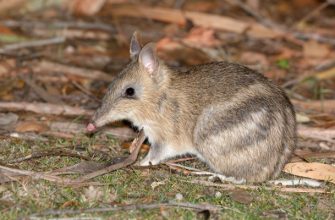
column 218, row 195
column 179, row 197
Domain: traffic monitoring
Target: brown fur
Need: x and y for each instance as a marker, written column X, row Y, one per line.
column 233, row 118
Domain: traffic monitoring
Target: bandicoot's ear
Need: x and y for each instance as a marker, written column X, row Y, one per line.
column 148, row 59
column 135, row 47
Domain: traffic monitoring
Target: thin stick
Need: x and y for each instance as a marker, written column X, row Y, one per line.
column 48, row 66
column 51, row 152
column 252, row 12
column 85, row 91
column 136, row 145
column 209, row 207
column 59, row 25
column 314, row 12
column 35, row 43
column 232, row 187
column 44, row 108
column 42, row 92
column 41, row 175
column 198, row 172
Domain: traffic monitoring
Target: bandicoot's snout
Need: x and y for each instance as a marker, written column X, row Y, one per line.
column 91, row 127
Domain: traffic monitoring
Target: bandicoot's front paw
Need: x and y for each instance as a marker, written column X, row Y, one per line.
column 148, row 162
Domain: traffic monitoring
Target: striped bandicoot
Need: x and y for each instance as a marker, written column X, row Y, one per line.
column 231, row 117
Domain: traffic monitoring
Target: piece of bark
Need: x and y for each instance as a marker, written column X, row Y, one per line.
column 44, row 108
column 30, row 44
column 48, row 66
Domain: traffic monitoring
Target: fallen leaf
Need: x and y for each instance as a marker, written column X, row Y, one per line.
column 275, row 214
column 6, row 66
column 167, row 44
column 253, row 58
column 171, row 50
column 6, row 6
column 254, row 4
column 200, row 6
column 326, row 74
column 92, row 194
column 156, row 184
column 318, row 171
column 85, row 7
column 315, row 49
column 3, row 189
column 6, row 30
column 70, row 203
column 241, row 196
column 30, row 126
column 201, row 37
column 277, row 74
column 8, row 119
column 302, row 118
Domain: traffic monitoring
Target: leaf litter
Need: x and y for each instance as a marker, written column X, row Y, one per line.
column 42, row 53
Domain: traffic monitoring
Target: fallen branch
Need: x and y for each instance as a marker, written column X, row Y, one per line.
column 28, row 136
column 314, row 155
column 297, row 182
column 35, row 43
column 44, row 108
column 47, row 66
column 197, row 18
column 211, row 175
column 136, row 145
column 42, row 93
column 327, row 106
column 253, row 187
column 192, row 206
column 44, row 176
column 51, row 152
column 317, row 133
column 83, row 167
column 59, row 25
column 73, row 34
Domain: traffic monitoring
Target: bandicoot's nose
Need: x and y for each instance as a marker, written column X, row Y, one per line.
column 91, row 127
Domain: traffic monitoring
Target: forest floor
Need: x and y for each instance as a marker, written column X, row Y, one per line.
column 58, row 57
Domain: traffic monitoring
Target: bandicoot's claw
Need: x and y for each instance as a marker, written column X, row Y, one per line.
column 90, row 127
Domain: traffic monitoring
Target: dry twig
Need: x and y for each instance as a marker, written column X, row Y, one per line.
column 44, row 108
column 136, row 145
column 35, row 43
column 59, row 25
column 198, row 207
column 42, row 93
column 200, row 19
column 51, row 152
column 232, row 187
column 47, row 66
column 41, row 175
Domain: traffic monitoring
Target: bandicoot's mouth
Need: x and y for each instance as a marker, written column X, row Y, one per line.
column 91, row 127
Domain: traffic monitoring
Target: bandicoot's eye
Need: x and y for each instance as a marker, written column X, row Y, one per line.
column 130, row 92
